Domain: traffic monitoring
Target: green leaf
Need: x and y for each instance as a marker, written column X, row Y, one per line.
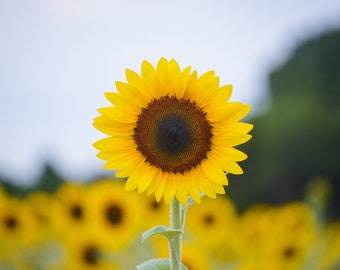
column 157, row 264
column 161, row 230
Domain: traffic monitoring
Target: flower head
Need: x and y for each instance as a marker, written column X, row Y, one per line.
column 70, row 207
column 113, row 213
column 86, row 249
column 172, row 133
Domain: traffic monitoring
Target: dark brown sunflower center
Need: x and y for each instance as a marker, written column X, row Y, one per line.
column 173, row 134
column 155, row 206
column 114, row 214
column 209, row 219
column 289, row 252
column 91, row 255
column 76, row 211
column 11, row 222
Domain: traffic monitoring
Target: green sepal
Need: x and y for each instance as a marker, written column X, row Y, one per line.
column 161, row 230
column 192, row 202
column 157, row 264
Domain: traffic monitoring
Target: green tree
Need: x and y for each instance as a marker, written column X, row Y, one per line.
column 298, row 138
column 49, row 181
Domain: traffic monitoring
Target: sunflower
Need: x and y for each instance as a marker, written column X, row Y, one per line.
column 17, row 226
column 172, row 132
column 295, row 230
column 69, row 208
column 213, row 225
column 113, row 213
column 40, row 204
column 256, row 228
column 283, row 235
column 84, row 249
column 195, row 258
column 155, row 213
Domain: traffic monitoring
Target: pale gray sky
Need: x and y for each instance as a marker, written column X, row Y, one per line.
column 58, row 57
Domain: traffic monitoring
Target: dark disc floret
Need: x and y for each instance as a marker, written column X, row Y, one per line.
column 174, row 135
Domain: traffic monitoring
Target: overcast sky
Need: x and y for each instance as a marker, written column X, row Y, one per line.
column 58, row 57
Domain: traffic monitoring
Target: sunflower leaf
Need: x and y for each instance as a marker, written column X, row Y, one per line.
column 161, row 230
column 157, row 264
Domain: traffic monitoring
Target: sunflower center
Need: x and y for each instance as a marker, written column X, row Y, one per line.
column 289, row 252
column 173, row 134
column 154, row 205
column 11, row 222
column 114, row 214
column 76, row 211
column 91, row 255
column 209, row 219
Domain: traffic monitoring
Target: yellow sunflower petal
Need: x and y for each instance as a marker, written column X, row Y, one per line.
column 225, row 112
column 109, row 155
column 162, row 67
column 241, row 114
column 182, row 190
column 155, row 182
column 150, row 79
column 190, row 90
column 224, row 93
column 234, row 128
column 132, row 94
column 104, row 143
column 134, row 79
column 170, row 188
column 207, row 85
column 149, row 174
column 225, row 164
column 173, row 77
column 213, row 171
column 119, row 162
column 219, row 189
column 126, row 165
column 231, row 140
column 115, row 143
column 117, row 115
column 204, row 183
column 193, row 189
column 220, row 98
column 135, row 177
column 230, row 153
column 182, row 82
column 232, row 167
column 123, row 103
column 160, row 189
column 102, row 122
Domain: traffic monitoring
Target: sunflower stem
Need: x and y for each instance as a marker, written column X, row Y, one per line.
column 175, row 243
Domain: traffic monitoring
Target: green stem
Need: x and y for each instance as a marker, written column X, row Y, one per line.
column 176, row 242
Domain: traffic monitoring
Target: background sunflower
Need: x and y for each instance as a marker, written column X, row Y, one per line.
column 114, row 214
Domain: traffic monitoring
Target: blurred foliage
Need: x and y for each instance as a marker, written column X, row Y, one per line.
column 298, row 138
column 49, row 181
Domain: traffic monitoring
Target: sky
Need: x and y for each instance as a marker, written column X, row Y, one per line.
column 58, row 57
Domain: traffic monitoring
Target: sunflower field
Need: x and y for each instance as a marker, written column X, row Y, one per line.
column 98, row 226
